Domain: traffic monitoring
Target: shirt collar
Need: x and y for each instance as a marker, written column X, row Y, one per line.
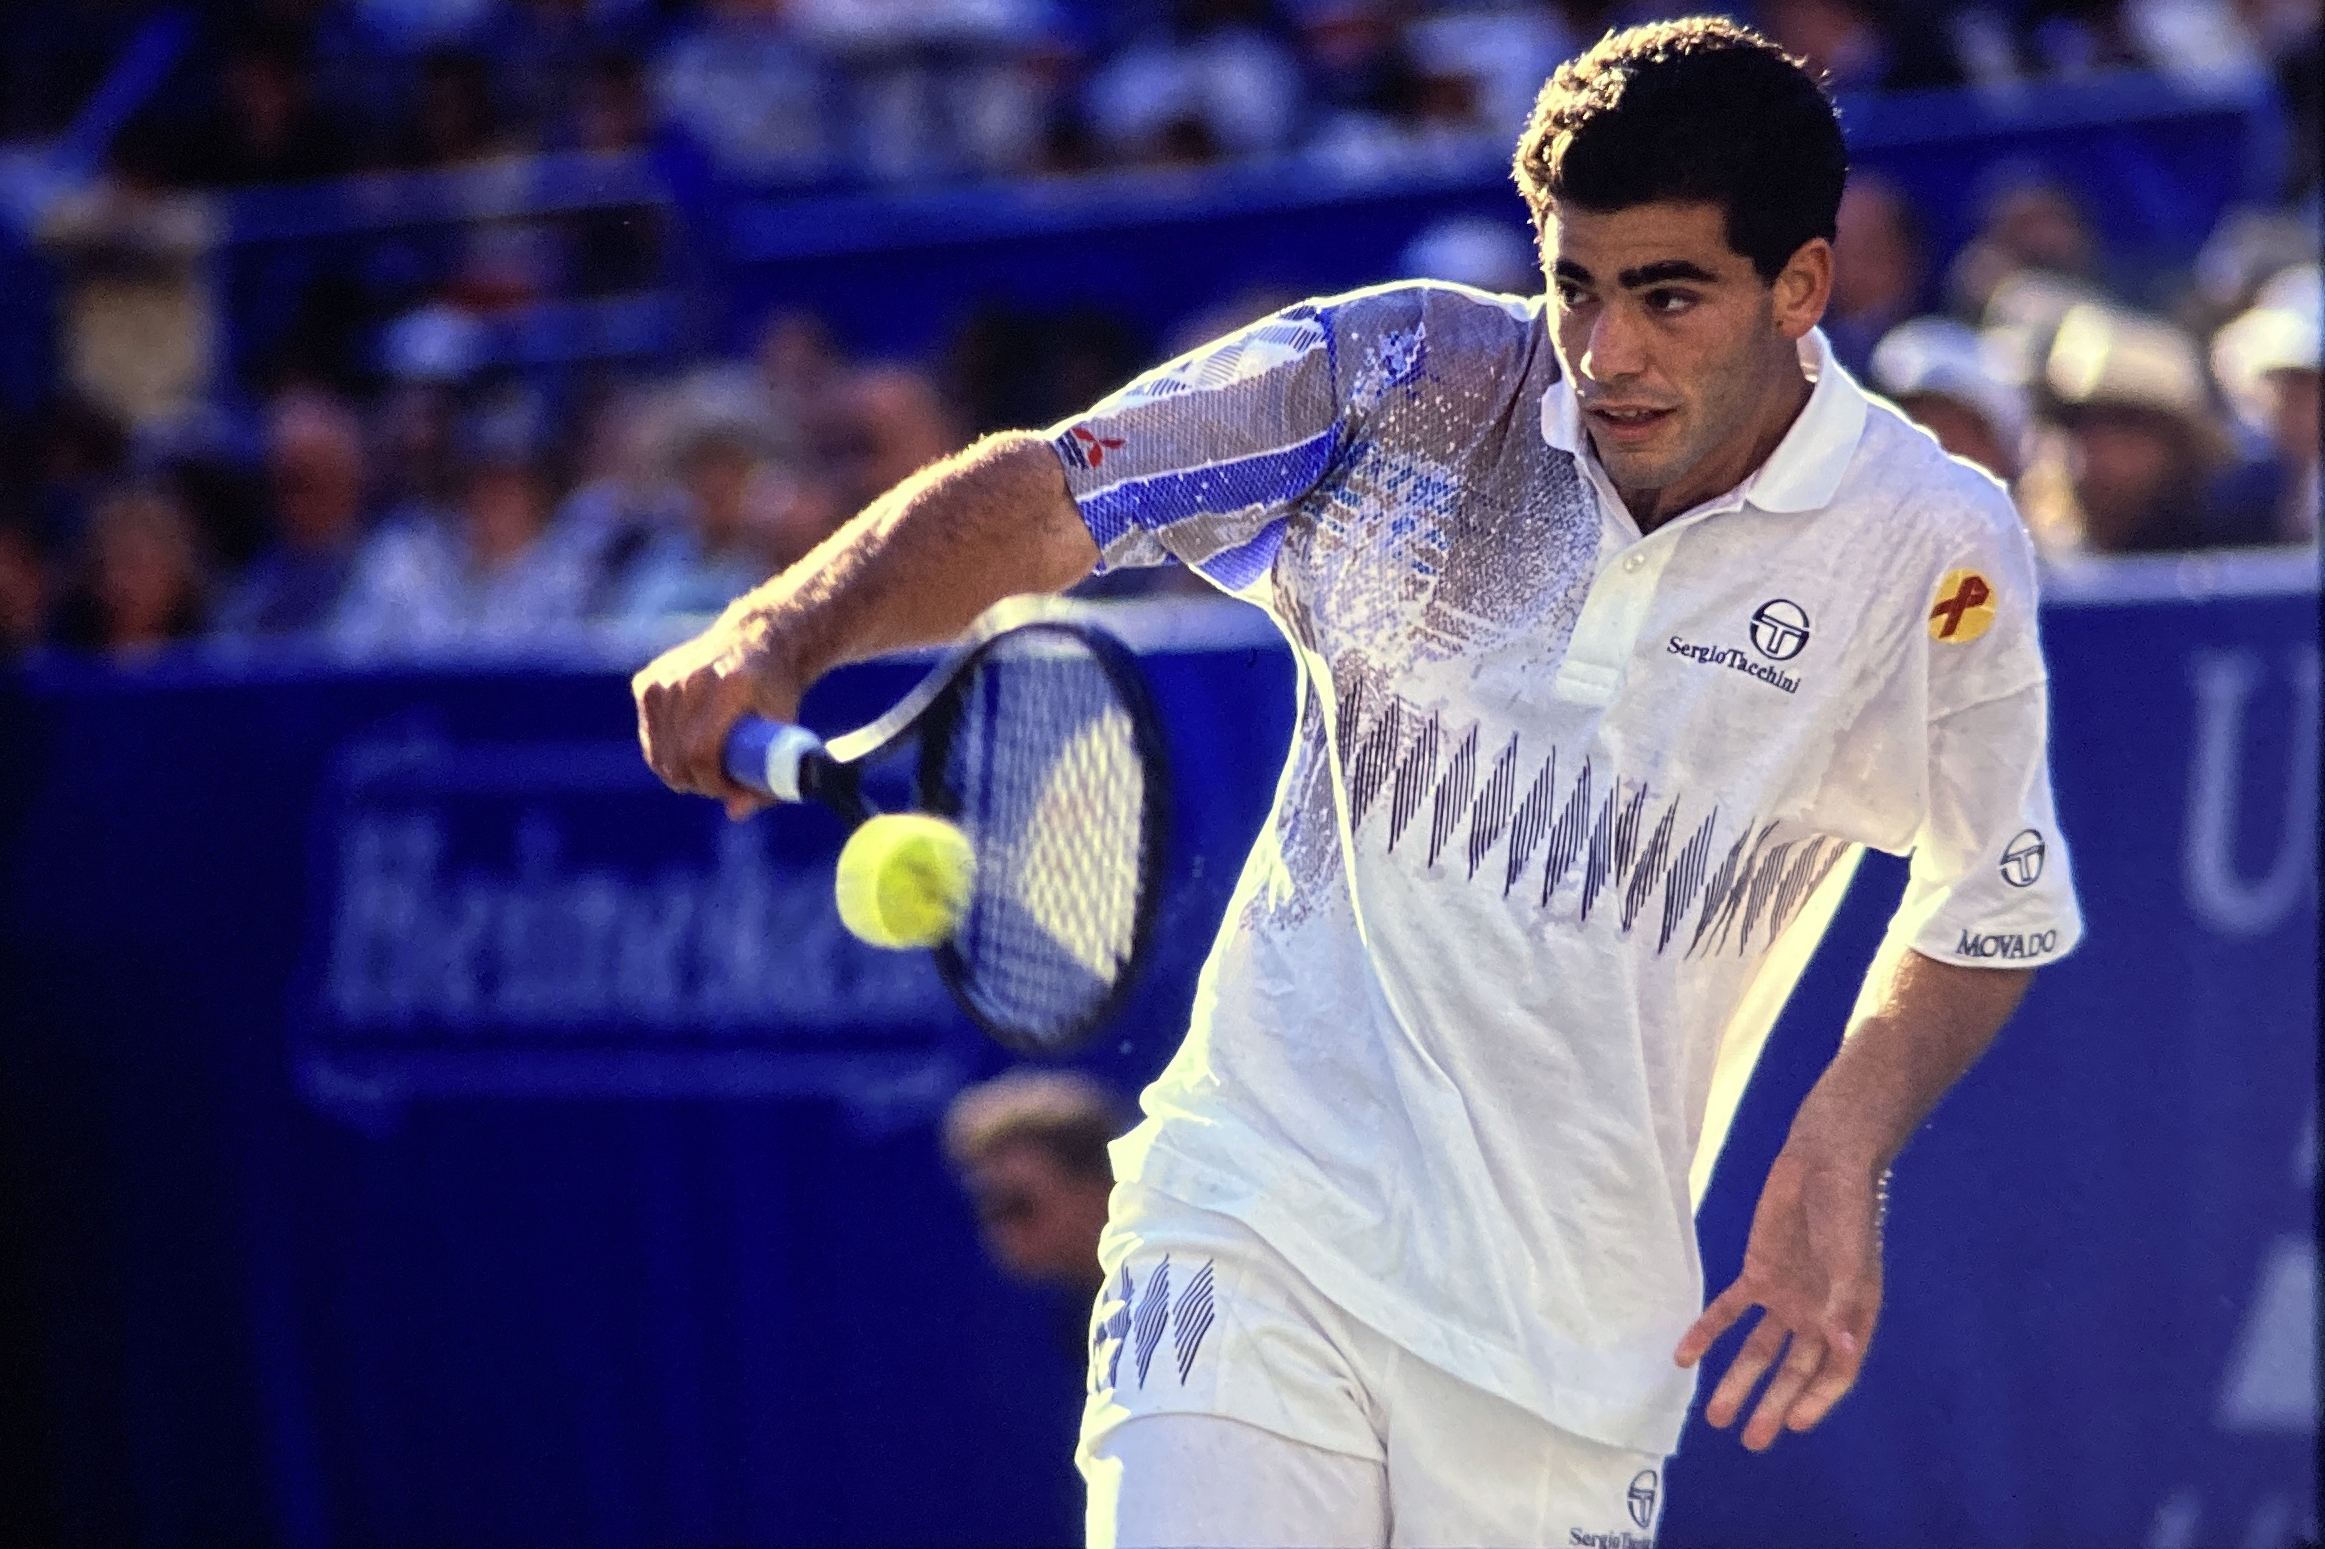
column 1803, row 473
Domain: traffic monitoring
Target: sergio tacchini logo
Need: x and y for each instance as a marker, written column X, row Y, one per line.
column 1780, row 629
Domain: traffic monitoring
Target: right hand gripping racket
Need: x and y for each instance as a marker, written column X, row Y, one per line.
column 1037, row 739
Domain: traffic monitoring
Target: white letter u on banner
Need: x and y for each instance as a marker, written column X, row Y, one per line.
column 2220, row 896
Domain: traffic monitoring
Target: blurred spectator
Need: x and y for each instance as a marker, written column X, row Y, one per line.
column 2248, row 247
column 2134, row 439
column 1363, row 89
column 2203, row 45
column 136, row 314
column 2028, row 221
column 454, row 122
column 626, row 498
column 746, row 518
column 940, row 88
column 892, row 422
column 315, row 474
column 1878, row 268
column 614, row 112
column 1030, row 1147
column 479, row 574
column 415, row 451
column 142, row 586
column 207, row 463
column 24, row 587
column 2290, row 35
column 80, row 450
column 1937, row 371
column 2267, row 363
column 1213, row 83
column 1863, row 45
column 2078, row 37
column 1499, row 53
column 542, row 56
column 800, row 370
column 2022, row 317
column 267, row 126
column 749, row 88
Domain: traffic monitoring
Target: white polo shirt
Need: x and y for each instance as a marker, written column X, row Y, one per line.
column 1565, row 813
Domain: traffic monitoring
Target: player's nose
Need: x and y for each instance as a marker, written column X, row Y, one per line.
column 1613, row 350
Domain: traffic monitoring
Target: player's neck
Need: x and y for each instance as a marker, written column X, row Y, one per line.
column 1725, row 466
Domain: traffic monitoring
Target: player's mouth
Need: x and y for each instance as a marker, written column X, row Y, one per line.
column 1626, row 424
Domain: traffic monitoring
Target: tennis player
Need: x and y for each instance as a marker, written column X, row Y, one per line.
column 1624, row 621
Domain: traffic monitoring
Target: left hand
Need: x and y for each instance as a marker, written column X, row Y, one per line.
column 1813, row 1263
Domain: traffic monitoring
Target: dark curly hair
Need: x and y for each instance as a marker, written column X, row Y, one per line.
column 1700, row 110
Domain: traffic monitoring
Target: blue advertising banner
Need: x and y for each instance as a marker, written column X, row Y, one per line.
column 420, row 1127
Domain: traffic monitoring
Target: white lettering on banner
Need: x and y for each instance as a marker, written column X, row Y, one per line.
column 2272, row 1378
column 2268, row 1399
column 2216, row 891
column 2271, row 1381
column 544, row 947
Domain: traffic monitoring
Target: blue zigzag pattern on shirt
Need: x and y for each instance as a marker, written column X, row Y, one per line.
column 1191, row 1319
column 1153, row 1313
column 1629, row 855
column 1116, row 1328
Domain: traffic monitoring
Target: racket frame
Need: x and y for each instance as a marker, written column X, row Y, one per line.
column 828, row 773
column 1129, row 685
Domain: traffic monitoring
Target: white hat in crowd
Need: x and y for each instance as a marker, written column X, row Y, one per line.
column 2279, row 333
column 2105, row 356
column 1937, row 357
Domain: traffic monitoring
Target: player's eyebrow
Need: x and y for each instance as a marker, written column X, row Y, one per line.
column 1663, row 273
column 1659, row 273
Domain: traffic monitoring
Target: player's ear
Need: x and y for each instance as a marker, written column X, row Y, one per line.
column 1803, row 286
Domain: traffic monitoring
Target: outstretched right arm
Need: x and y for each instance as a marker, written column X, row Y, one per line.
column 915, row 568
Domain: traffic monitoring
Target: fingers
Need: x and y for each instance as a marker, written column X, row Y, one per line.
column 1806, row 1355
column 1714, row 1321
column 1821, row 1361
column 688, row 699
column 1746, row 1370
column 1844, row 1356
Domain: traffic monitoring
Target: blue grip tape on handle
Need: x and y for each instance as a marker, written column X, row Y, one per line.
column 764, row 756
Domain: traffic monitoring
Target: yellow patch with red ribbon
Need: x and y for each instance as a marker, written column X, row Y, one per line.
column 1964, row 608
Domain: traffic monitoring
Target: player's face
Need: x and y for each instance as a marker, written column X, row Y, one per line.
column 1040, row 1221
column 1684, row 359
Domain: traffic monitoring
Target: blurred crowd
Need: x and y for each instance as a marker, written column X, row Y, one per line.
column 445, row 513
column 848, row 91
column 2122, row 427
column 423, row 503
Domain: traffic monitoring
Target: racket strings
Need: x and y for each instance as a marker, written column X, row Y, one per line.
column 1049, row 780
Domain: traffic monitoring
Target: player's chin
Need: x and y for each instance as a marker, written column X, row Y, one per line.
column 1641, row 468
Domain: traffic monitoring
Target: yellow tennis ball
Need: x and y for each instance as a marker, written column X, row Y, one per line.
column 904, row 880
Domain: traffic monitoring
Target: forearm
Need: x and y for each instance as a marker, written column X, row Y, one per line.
column 923, row 560
column 1920, row 1025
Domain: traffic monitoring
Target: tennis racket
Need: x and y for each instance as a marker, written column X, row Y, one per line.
column 1038, row 740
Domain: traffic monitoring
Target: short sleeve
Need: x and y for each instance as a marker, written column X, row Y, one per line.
column 1990, row 881
column 1201, row 459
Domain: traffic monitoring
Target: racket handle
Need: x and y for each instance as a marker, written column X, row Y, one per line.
column 765, row 756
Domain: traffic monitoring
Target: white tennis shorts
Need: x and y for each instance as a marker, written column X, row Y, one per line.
column 1230, row 1404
